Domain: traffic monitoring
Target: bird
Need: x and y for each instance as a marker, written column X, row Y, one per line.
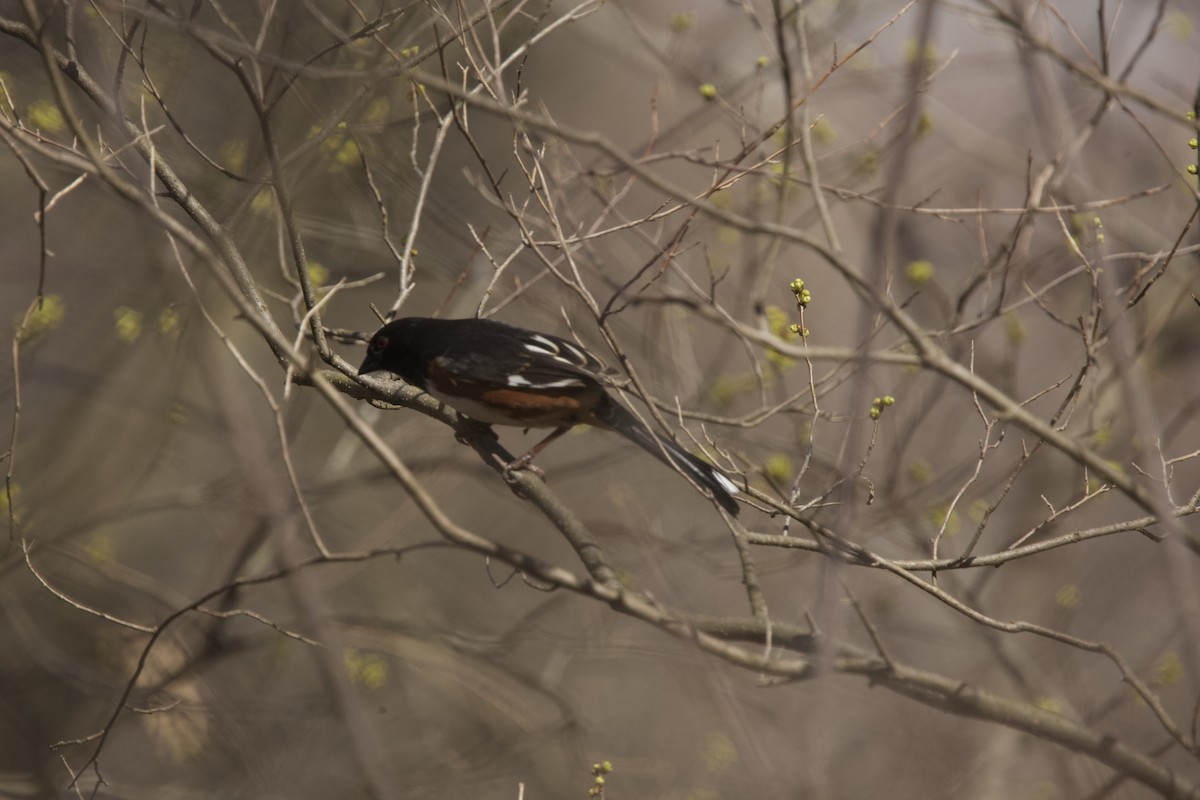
column 500, row 374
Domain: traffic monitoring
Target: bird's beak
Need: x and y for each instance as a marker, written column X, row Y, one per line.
column 369, row 364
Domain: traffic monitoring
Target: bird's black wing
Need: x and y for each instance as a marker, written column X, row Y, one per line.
column 487, row 351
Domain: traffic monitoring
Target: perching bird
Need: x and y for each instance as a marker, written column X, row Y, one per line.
column 499, row 374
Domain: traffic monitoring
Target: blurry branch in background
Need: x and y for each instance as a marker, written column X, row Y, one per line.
column 549, row 159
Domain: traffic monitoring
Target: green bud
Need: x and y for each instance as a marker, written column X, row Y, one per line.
column 919, row 272
column 128, row 323
column 778, row 467
column 683, row 21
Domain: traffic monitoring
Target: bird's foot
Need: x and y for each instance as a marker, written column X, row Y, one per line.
column 522, row 464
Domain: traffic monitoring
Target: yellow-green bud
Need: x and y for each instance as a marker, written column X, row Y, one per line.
column 708, row 91
column 683, row 21
column 920, row 272
column 778, row 467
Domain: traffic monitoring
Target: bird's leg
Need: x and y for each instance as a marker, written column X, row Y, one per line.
column 467, row 426
column 526, row 461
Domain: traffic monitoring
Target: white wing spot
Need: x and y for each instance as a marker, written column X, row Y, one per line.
column 552, row 347
column 582, row 357
column 726, row 484
column 533, row 348
column 523, row 382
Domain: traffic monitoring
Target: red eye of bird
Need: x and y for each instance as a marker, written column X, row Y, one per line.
column 379, row 344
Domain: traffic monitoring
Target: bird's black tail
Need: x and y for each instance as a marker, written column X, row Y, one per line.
column 614, row 416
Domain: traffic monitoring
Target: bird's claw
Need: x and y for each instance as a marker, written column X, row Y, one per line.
column 522, row 464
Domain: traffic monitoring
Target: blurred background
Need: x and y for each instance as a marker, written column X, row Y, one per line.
column 147, row 470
